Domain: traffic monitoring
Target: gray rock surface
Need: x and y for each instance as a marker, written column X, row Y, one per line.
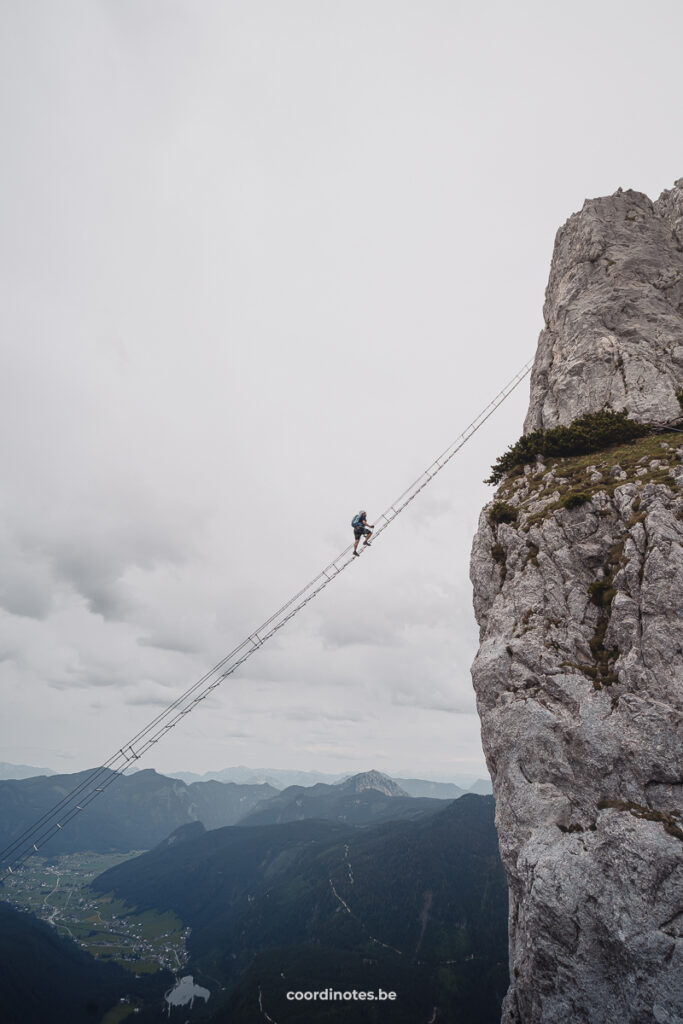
column 613, row 313
column 579, row 674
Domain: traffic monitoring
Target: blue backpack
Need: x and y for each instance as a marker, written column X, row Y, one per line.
column 356, row 521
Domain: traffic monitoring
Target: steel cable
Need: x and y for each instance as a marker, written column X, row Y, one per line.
column 99, row 779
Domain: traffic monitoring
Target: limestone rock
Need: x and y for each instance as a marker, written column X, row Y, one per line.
column 670, row 207
column 613, row 313
column 579, row 682
column 579, row 674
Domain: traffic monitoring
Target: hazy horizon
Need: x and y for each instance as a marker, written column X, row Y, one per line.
column 401, row 773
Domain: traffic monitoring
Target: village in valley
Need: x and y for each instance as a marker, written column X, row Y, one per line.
column 57, row 890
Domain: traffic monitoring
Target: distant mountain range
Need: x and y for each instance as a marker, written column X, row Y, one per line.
column 277, row 777
column 419, row 907
column 482, row 786
column 135, row 813
column 364, row 798
column 438, row 790
column 22, row 771
column 280, row 778
column 140, row 810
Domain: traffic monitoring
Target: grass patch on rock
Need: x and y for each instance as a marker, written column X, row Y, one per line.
column 568, row 483
column 590, row 433
column 574, row 499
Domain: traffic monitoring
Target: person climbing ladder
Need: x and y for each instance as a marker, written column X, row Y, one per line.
column 52, row 821
column 361, row 529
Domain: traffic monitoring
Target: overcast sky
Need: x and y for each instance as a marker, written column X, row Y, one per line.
column 261, row 262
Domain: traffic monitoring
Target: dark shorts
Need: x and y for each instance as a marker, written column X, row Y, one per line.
column 361, row 531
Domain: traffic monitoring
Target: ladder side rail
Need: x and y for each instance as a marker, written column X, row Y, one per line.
column 117, row 765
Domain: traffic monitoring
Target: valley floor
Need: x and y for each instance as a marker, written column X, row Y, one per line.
column 57, row 892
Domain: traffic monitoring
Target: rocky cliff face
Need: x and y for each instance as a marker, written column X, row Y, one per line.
column 579, row 676
column 613, row 313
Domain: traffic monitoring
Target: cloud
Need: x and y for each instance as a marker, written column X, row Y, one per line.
column 206, row 373
column 83, row 675
column 437, row 700
column 338, row 751
column 96, row 561
column 361, row 628
column 147, row 700
column 170, row 642
column 317, row 715
column 25, row 581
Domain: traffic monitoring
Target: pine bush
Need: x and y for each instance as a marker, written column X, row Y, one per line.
column 590, row 433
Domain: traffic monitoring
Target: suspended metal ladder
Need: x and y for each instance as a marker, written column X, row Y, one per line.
column 36, row 835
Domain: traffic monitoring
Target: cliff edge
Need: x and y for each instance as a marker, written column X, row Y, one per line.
column 577, row 569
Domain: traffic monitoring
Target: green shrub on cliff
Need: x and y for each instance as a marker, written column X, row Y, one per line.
column 501, row 512
column 589, row 433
